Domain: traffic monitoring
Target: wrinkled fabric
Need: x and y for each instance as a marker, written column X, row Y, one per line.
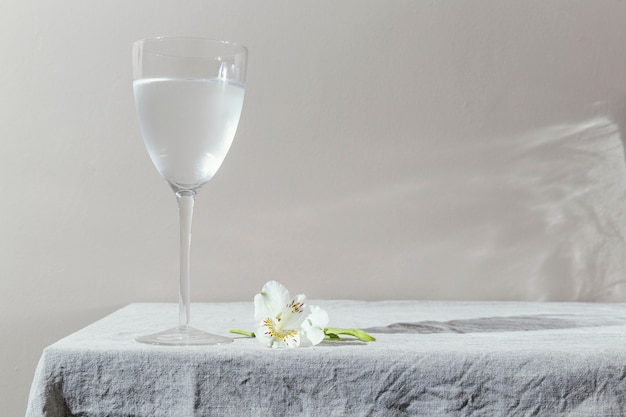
column 430, row 359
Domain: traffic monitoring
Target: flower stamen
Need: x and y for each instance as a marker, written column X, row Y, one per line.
column 296, row 307
column 279, row 333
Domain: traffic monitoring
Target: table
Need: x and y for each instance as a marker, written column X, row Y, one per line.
column 430, row 359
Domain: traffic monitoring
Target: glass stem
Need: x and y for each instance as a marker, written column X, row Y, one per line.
column 185, row 210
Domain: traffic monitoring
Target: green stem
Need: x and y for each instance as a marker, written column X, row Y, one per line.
column 242, row 332
column 333, row 333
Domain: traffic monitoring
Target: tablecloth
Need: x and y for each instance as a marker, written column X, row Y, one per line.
column 430, row 359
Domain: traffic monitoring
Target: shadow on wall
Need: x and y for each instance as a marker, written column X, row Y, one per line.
column 539, row 214
column 533, row 215
column 574, row 176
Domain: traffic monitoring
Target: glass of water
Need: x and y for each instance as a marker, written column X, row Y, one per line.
column 189, row 94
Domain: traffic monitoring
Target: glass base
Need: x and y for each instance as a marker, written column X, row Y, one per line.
column 184, row 336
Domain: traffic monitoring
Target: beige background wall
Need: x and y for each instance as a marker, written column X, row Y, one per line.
column 387, row 149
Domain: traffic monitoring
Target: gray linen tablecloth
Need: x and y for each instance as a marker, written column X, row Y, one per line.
column 430, row 359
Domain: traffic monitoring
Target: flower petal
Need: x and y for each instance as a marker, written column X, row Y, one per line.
column 295, row 312
column 293, row 340
column 318, row 317
column 272, row 300
column 262, row 335
column 312, row 331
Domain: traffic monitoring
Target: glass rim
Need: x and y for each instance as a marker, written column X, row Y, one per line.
column 241, row 49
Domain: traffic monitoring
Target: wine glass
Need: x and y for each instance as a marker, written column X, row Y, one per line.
column 188, row 96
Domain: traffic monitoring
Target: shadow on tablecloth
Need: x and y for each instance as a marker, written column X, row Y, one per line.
column 501, row 324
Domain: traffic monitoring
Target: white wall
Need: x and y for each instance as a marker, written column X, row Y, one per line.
column 387, row 149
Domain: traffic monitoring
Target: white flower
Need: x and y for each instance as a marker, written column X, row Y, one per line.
column 282, row 321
